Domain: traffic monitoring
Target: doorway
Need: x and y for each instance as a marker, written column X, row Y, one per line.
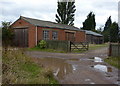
column 21, row 37
column 70, row 36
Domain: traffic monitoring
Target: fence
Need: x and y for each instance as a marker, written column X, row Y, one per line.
column 58, row 45
column 114, row 50
column 66, row 46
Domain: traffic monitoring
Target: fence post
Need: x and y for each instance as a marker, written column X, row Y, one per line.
column 69, row 46
column 109, row 49
column 87, row 46
column 118, row 49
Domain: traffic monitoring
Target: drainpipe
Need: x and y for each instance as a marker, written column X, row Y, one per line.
column 36, row 35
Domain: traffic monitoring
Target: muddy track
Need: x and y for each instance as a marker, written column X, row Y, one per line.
column 79, row 68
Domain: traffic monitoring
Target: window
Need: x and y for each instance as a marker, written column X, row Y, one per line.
column 54, row 35
column 46, row 35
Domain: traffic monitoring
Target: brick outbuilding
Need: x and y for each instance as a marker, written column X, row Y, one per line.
column 29, row 31
column 93, row 37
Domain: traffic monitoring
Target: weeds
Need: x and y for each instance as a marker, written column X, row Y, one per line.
column 114, row 61
column 17, row 68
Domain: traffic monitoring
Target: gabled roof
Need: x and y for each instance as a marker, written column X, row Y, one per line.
column 48, row 24
column 92, row 33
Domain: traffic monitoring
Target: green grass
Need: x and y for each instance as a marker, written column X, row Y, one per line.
column 45, row 50
column 114, row 61
column 21, row 69
column 91, row 47
column 96, row 46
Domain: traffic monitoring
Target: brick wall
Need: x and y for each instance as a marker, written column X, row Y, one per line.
column 61, row 33
column 31, row 31
column 80, row 36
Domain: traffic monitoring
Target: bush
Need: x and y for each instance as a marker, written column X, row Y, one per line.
column 7, row 34
column 42, row 44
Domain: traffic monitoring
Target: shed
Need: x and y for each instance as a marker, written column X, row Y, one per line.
column 29, row 31
column 93, row 37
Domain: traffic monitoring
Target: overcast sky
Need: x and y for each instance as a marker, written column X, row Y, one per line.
column 46, row 10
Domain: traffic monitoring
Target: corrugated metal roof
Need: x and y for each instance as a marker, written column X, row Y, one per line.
column 92, row 33
column 49, row 24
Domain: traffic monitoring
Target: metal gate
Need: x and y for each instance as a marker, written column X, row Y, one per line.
column 21, row 37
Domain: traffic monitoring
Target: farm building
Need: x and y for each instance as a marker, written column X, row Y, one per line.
column 29, row 31
column 93, row 37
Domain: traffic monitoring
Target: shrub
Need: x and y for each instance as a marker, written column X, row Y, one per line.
column 42, row 44
column 7, row 34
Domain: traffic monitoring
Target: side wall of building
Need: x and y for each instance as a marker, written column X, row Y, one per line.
column 79, row 35
column 20, row 23
column 61, row 33
column 94, row 39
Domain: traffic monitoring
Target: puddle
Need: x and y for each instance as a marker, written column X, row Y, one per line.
column 59, row 66
column 87, row 80
column 102, row 68
column 92, row 83
column 74, row 67
column 97, row 59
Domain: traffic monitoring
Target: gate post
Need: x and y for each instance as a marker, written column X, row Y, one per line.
column 87, row 45
column 69, row 46
column 118, row 49
column 109, row 49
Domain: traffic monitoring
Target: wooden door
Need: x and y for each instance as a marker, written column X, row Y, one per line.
column 21, row 37
column 70, row 36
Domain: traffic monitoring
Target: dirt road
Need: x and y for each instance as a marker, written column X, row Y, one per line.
column 79, row 68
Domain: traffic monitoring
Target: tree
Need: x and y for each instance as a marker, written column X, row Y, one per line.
column 108, row 23
column 106, row 31
column 7, row 34
column 65, row 12
column 89, row 23
column 114, row 32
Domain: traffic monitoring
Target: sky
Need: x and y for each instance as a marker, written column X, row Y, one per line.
column 11, row 10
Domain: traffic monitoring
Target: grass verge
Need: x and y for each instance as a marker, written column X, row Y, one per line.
column 45, row 50
column 114, row 61
column 17, row 68
column 96, row 46
column 91, row 47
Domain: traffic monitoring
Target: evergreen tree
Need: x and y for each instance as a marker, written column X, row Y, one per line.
column 106, row 31
column 114, row 32
column 89, row 23
column 65, row 12
column 108, row 23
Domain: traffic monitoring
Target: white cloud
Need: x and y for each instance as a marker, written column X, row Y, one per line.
column 46, row 10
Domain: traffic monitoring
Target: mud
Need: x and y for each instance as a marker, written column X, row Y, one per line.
column 75, row 68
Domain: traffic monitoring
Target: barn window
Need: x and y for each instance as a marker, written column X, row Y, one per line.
column 54, row 35
column 46, row 35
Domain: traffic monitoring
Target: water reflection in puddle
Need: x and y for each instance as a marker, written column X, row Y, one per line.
column 74, row 67
column 87, row 80
column 103, row 68
column 97, row 59
column 59, row 66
